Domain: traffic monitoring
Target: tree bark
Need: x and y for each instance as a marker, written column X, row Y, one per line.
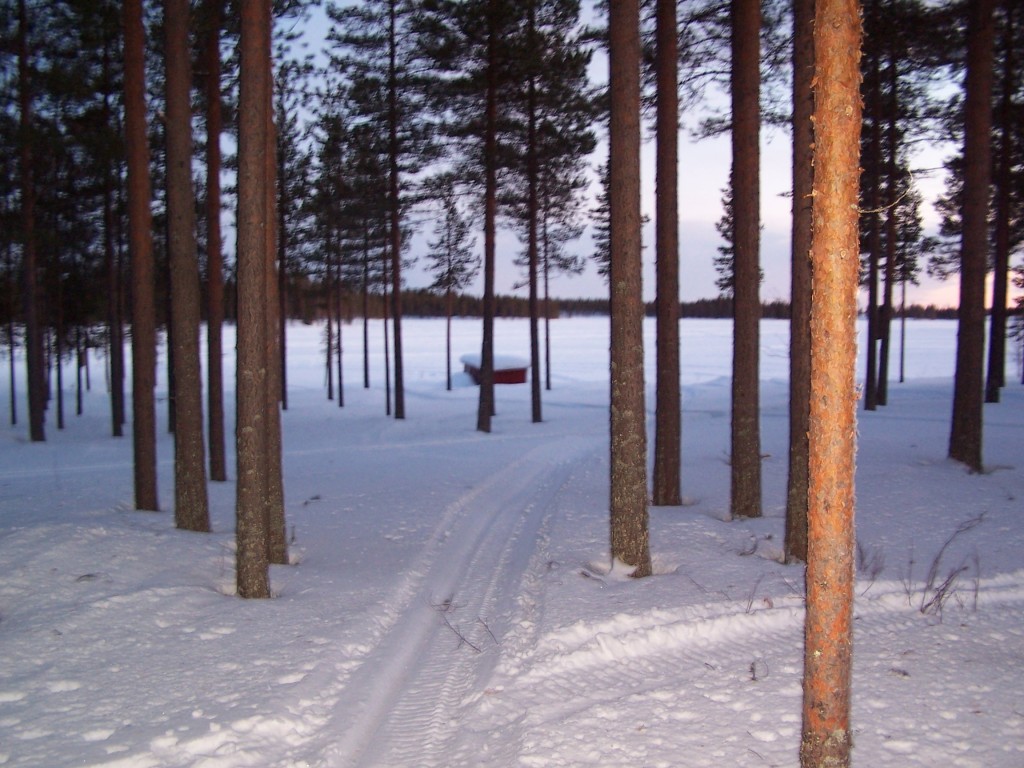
column 532, row 214
column 628, row 440
column 115, row 326
column 892, row 195
column 35, row 362
column 395, row 222
column 485, row 407
column 252, row 569
column 746, row 431
column 191, row 510
column 277, row 538
column 873, row 169
column 828, row 630
column 800, row 292
column 140, row 243
column 996, row 375
column 668, row 419
column 965, row 443
column 214, row 258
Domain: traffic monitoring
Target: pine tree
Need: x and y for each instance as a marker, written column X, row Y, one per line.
column 828, row 630
column 140, row 222
column 450, row 256
column 551, row 114
column 668, row 417
column 473, row 49
column 374, row 42
column 213, row 19
column 252, row 566
column 745, row 456
column 965, row 442
column 34, row 362
column 800, row 280
column 191, row 511
column 628, row 495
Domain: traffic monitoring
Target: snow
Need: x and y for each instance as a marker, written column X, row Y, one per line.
column 501, row 362
column 452, row 601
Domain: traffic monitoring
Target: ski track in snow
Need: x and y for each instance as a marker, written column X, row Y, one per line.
column 400, row 706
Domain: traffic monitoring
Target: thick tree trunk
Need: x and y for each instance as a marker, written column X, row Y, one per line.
column 668, row 419
column 965, row 444
column 140, row 243
column 630, row 543
column 828, row 634
column 746, row 431
column 191, row 510
column 35, row 364
column 252, row 569
column 800, row 292
column 214, row 257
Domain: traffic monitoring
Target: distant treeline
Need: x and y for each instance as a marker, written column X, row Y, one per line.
column 424, row 303
column 308, row 302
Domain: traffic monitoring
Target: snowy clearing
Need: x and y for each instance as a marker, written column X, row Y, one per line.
column 452, row 604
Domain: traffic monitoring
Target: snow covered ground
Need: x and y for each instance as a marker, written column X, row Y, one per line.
column 451, row 602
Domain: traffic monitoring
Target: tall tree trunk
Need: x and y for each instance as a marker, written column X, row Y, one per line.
column 214, row 258
column 395, row 212
column 746, row 431
column 965, row 435
column 630, row 538
column 140, row 243
column 532, row 214
column 277, row 537
column 485, row 407
column 35, row 364
column 115, row 329
column 873, row 169
column 800, row 292
column 996, row 375
column 252, row 570
column 281, row 286
column 668, row 419
column 828, row 630
column 191, row 511
column 891, row 236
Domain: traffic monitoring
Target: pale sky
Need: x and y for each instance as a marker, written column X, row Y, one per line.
column 703, row 172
